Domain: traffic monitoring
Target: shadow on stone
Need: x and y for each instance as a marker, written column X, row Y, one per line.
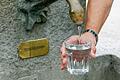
column 34, row 11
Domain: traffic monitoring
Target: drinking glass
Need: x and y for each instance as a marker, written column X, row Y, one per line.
column 78, row 57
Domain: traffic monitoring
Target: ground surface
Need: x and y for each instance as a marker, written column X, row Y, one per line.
column 56, row 29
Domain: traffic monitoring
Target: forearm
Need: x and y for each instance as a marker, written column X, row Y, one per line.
column 97, row 12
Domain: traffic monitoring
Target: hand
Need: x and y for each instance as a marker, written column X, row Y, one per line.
column 85, row 37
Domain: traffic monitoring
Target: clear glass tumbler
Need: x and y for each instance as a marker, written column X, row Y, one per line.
column 78, row 57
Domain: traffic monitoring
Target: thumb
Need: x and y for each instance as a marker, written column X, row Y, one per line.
column 93, row 52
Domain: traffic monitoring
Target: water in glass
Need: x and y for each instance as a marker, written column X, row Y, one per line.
column 77, row 64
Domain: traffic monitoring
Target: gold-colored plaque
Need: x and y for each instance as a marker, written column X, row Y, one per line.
column 33, row 48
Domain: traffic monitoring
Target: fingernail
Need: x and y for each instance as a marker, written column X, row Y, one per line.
column 81, row 41
column 93, row 55
column 65, row 55
column 61, row 67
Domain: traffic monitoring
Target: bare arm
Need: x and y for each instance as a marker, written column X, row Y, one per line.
column 97, row 12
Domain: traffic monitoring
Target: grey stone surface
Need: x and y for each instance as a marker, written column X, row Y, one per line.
column 57, row 28
column 33, row 11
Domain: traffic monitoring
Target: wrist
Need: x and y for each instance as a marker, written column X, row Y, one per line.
column 93, row 33
column 95, row 28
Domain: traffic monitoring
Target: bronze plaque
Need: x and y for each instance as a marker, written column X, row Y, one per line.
column 33, row 48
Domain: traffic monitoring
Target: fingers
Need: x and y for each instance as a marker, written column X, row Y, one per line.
column 73, row 40
column 77, row 40
column 77, row 56
column 63, row 63
column 81, row 41
column 93, row 52
column 63, row 57
column 93, row 48
column 63, row 49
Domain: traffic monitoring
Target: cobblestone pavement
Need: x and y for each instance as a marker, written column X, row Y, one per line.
column 56, row 29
